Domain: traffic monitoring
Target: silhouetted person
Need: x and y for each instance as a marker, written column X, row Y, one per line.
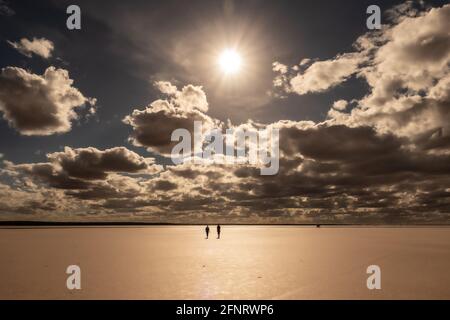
column 218, row 231
column 207, row 231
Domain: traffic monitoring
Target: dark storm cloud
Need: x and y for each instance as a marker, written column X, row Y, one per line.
column 341, row 143
column 87, row 173
column 91, row 163
column 102, row 191
column 84, row 174
column 48, row 174
column 39, row 104
column 153, row 126
column 164, row 185
column 71, row 168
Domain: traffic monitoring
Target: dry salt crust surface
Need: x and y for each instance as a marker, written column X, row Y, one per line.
column 249, row 262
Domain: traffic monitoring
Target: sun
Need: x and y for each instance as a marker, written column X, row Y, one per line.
column 230, row 61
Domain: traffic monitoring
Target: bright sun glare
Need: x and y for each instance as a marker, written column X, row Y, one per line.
column 230, row 61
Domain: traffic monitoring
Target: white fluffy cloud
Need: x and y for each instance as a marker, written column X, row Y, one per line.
column 38, row 46
column 408, row 77
column 189, row 98
column 322, row 75
column 340, row 105
column 279, row 67
column 415, row 53
column 410, row 55
column 406, row 65
column 39, row 104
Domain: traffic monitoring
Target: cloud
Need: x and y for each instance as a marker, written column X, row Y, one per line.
column 403, row 10
column 188, row 99
column 166, row 87
column 191, row 98
column 281, row 79
column 279, row 67
column 410, row 54
column 5, row 10
column 115, row 187
column 305, row 61
column 38, row 46
column 406, row 67
column 86, row 174
column 368, row 164
column 333, row 143
column 76, row 165
column 323, row 75
column 91, row 163
column 39, row 104
column 416, row 52
column 45, row 173
column 327, row 173
column 385, row 160
column 408, row 77
column 41, row 202
column 153, row 126
column 340, row 105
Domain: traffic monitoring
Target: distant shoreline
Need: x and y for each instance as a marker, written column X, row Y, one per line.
column 25, row 224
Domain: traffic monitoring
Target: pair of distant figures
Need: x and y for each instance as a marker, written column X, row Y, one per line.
column 207, row 231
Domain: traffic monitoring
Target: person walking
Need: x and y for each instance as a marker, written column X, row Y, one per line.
column 218, row 231
column 207, row 231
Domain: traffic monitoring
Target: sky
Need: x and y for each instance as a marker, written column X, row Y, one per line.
column 87, row 115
